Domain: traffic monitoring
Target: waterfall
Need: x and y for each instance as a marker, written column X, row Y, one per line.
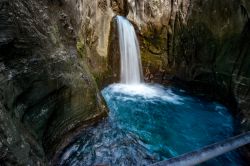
column 131, row 69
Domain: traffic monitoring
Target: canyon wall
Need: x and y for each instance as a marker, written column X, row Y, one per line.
column 46, row 88
column 203, row 44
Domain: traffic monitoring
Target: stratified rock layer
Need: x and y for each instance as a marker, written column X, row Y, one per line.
column 46, row 89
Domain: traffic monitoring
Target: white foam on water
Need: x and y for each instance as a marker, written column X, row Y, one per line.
column 147, row 92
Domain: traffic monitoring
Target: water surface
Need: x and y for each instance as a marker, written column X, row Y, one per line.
column 150, row 123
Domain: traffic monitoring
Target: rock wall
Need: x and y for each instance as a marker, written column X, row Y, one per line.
column 206, row 45
column 46, row 88
column 211, row 51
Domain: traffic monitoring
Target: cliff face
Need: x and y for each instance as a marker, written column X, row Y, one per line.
column 206, row 45
column 46, row 89
column 212, row 50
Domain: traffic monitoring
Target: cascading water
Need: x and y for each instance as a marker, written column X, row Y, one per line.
column 131, row 70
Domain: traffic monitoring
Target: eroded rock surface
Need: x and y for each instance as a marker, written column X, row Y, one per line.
column 46, row 88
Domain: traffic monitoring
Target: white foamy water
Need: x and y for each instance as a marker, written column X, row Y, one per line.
column 131, row 70
column 148, row 92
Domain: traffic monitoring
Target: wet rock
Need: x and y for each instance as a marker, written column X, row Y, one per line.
column 43, row 97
